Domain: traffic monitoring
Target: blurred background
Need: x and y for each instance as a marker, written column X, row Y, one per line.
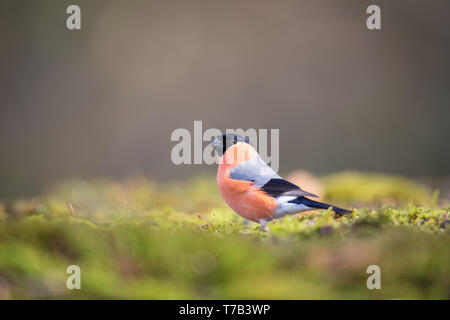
column 86, row 176
column 103, row 101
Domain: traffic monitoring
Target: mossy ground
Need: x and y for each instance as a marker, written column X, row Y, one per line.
column 139, row 240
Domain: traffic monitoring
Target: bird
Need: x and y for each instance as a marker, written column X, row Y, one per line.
column 253, row 190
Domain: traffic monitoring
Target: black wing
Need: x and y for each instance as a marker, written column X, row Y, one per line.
column 280, row 187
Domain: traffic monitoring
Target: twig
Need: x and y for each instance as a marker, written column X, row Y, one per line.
column 72, row 210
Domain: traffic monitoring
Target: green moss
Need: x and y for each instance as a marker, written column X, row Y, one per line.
column 371, row 188
column 141, row 240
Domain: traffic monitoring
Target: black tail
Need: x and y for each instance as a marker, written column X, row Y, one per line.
column 319, row 205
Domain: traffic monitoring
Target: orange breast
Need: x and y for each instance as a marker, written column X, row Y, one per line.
column 246, row 199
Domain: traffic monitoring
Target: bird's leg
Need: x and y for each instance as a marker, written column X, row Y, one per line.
column 264, row 227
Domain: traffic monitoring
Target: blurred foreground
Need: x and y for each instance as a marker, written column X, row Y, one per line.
column 141, row 240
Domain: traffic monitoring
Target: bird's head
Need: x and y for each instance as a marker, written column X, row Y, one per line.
column 223, row 142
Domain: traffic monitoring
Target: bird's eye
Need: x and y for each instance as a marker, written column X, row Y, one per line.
column 235, row 139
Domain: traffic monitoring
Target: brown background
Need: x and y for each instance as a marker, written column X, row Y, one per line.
column 103, row 101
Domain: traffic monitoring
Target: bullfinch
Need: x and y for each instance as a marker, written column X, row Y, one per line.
column 253, row 189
